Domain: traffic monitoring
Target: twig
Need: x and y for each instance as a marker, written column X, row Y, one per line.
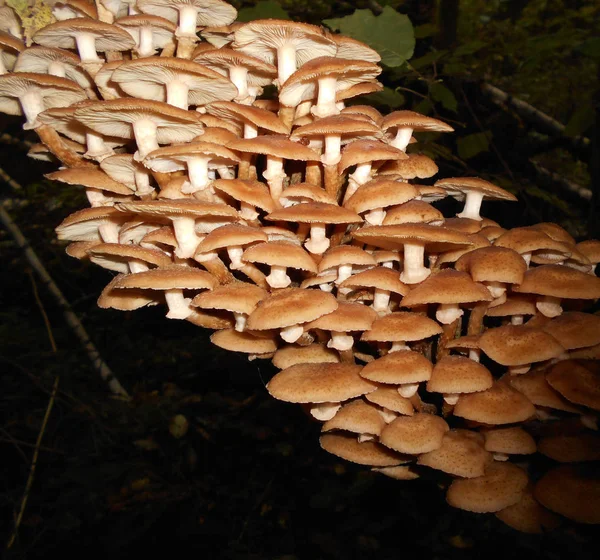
column 6, row 138
column 376, row 7
column 34, row 459
column 70, row 317
column 10, row 181
column 544, row 123
column 36, row 295
column 550, row 179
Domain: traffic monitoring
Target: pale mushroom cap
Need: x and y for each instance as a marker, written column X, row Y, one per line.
column 461, row 454
column 575, row 329
column 356, row 416
column 369, row 453
column 168, row 278
column 513, row 345
column 90, row 178
column 211, row 13
column 419, row 433
column 511, row 441
column 106, row 253
column 290, row 355
column 388, row 398
column 260, row 118
column 280, row 253
column 124, row 300
column 559, row 281
column 319, row 383
column 345, row 255
column 401, row 326
column 493, row 264
column 404, row 366
column 414, row 166
column 230, row 235
column 535, row 387
column 290, row 307
column 377, row 277
column 447, row 286
column 459, row 186
column 230, row 339
column 502, row 485
column 380, row 193
column 572, row 491
column 247, row 191
column 577, row 381
column 240, row 297
column 456, row 374
column 500, row 404
column 274, row 145
column 416, row 121
column 347, row 317
column 413, row 211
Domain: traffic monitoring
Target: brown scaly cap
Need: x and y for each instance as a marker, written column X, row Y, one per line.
column 528, row 516
column 404, row 366
column 413, row 120
column 571, row 448
column 447, row 286
column 248, row 191
column 305, row 192
column 500, row 404
column 572, row 491
column 240, row 297
column 535, row 387
column 368, row 453
column 379, row 277
column 493, row 264
column 356, row 416
column 209, row 12
column 559, row 281
column 388, row 398
column 346, row 127
column 414, row 166
column 527, row 240
column 90, row 178
column 280, row 253
column 509, row 441
column 105, row 254
column 461, row 454
column 401, row 326
column 83, row 224
column 275, row 145
column 290, row 355
column 455, row 374
column 261, row 118
column 574, row 329
column 463, row 185
column 353, row 49
column 319, row 383
column 415, row 212
column 124, row 300
column 367, row 151
column 415, row 434
column 501, row 486
column 230, row 235
column 364, row 110
column 380, row 193
column 168, row 278
column 260, row 73
column 290, row 307
column 513, row 345
column 347, row 317
column 344, row 255
column 591, row 249
column 578, row 381
column 183, row 207
column 230, row 339
column 314, row 213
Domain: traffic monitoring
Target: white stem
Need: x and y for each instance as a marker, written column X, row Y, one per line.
column 33, row 104
column 138, row 266
column 250, row 130
column 177, row 94
column 56, row 68
column 324, row 411
column 286, row 62
column 274, row 175
column 144, row 131
column 109, row 232
column 188, row 15
column 340, row 341
column 86, row 47
column 326, row 98
column 292, row 333
column 447, row 313
column 96, row 148
column 381, row 300
column 398, row 346
column 239, row 76
column 198, row 174
column 407, row 390
column 403, row 136
column 235, row 255
column 248, row 212
column 179, row 307
column 185, row 233
column 375, row 217
column 472, row 206
column 549, row 306
column 414, row 271
column 451, row 398
column 3, row 69
column 145, row 46
column 142, row 182
column 240, row 321
column 278, row 277
column 333, row 146
column 318, row 243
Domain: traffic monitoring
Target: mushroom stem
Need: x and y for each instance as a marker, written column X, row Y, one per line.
column 32, row 104
column 447, row 313
column 144, row 131
column 381, row 300
column 179, row 307
column 286, row 62
column 96, row 148
column 177, row 94
column 275, row 175
column 56, row 68
column 340, row 341
column 326, row 99
column 318, row 243
column 403, row 136
column 407, row 390
column 188, row 15
column 239, row 76
column 198, row 174
column 414, row 270
column 549, row 306
column 145, row 46
column 472, row 206
column 86, row 47
column 278, row 277
column 185, row 233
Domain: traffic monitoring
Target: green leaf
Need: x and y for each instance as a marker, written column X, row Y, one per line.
column 473, row 144
column 424, row 107
column 425, row 30
column 580, row 120
column 391, row 34
column 386, row 97
column 428, row 59
column 469, row 48
column 443, row 95
column 264, row 9
column 590, row 47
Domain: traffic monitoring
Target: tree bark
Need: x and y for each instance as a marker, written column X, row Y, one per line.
column 448, row 23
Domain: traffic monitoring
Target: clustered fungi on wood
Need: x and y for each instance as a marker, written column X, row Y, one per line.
column 299, row 230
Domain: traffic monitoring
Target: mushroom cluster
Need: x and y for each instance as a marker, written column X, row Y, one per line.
column 296, row 227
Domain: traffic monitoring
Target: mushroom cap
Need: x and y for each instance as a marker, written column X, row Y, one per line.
column 500, row 404
column 458, row 187
column 168, row 278
column 319, row 383
column 414, row 211
column 369, row 453
column 419, row 433
column 262, row 38
column 515, row 304
column 572, row 491
column 280, row 253
column 314, row 213
column 456, row 374
column 289, row 307
column 240, row 297
column 261, row 118
column 501, row 486
column 447, row 286
column 211, row 13
column 578, row 381
column 559, row 281
column 62, row 34
column 571, row 448
column 535, row 387
column 379, row 277
column 356, row 416
column 380, row 193
column 230, row 235
column 527, row 240
column 401, row 326
column 163, row 30
column 388, row 398
column 348, row 128
column 345, row 255
column 89, row 178
column 183, row 207
column 514, row 345
column 350, row 48
column 247, row 191
column 460, row 454
column 115, row 256
column 173, row 158
column 367, row 151
column 575, row 329
column 414, row 166
column 404, row 366
column 274, row 145
column 116, row 116
column 347, row 317
column 493, row 264
column 292, row 354
column 528, row 516
column 230, row 339
column 82, row 225
column 416, row 121
column 511, row 441
column 124, row 300
column 260, row 73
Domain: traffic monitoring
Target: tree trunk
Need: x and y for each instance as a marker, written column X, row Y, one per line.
column 448, row 23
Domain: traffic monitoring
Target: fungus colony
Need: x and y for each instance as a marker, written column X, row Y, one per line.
column 298, row 229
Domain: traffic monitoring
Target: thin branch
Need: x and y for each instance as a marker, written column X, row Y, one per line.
column 542, row 122
column 36, row 295
column 553, row 180
column 10, row 181
column 70, row 317
column 6, row 138
column 34, row 459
